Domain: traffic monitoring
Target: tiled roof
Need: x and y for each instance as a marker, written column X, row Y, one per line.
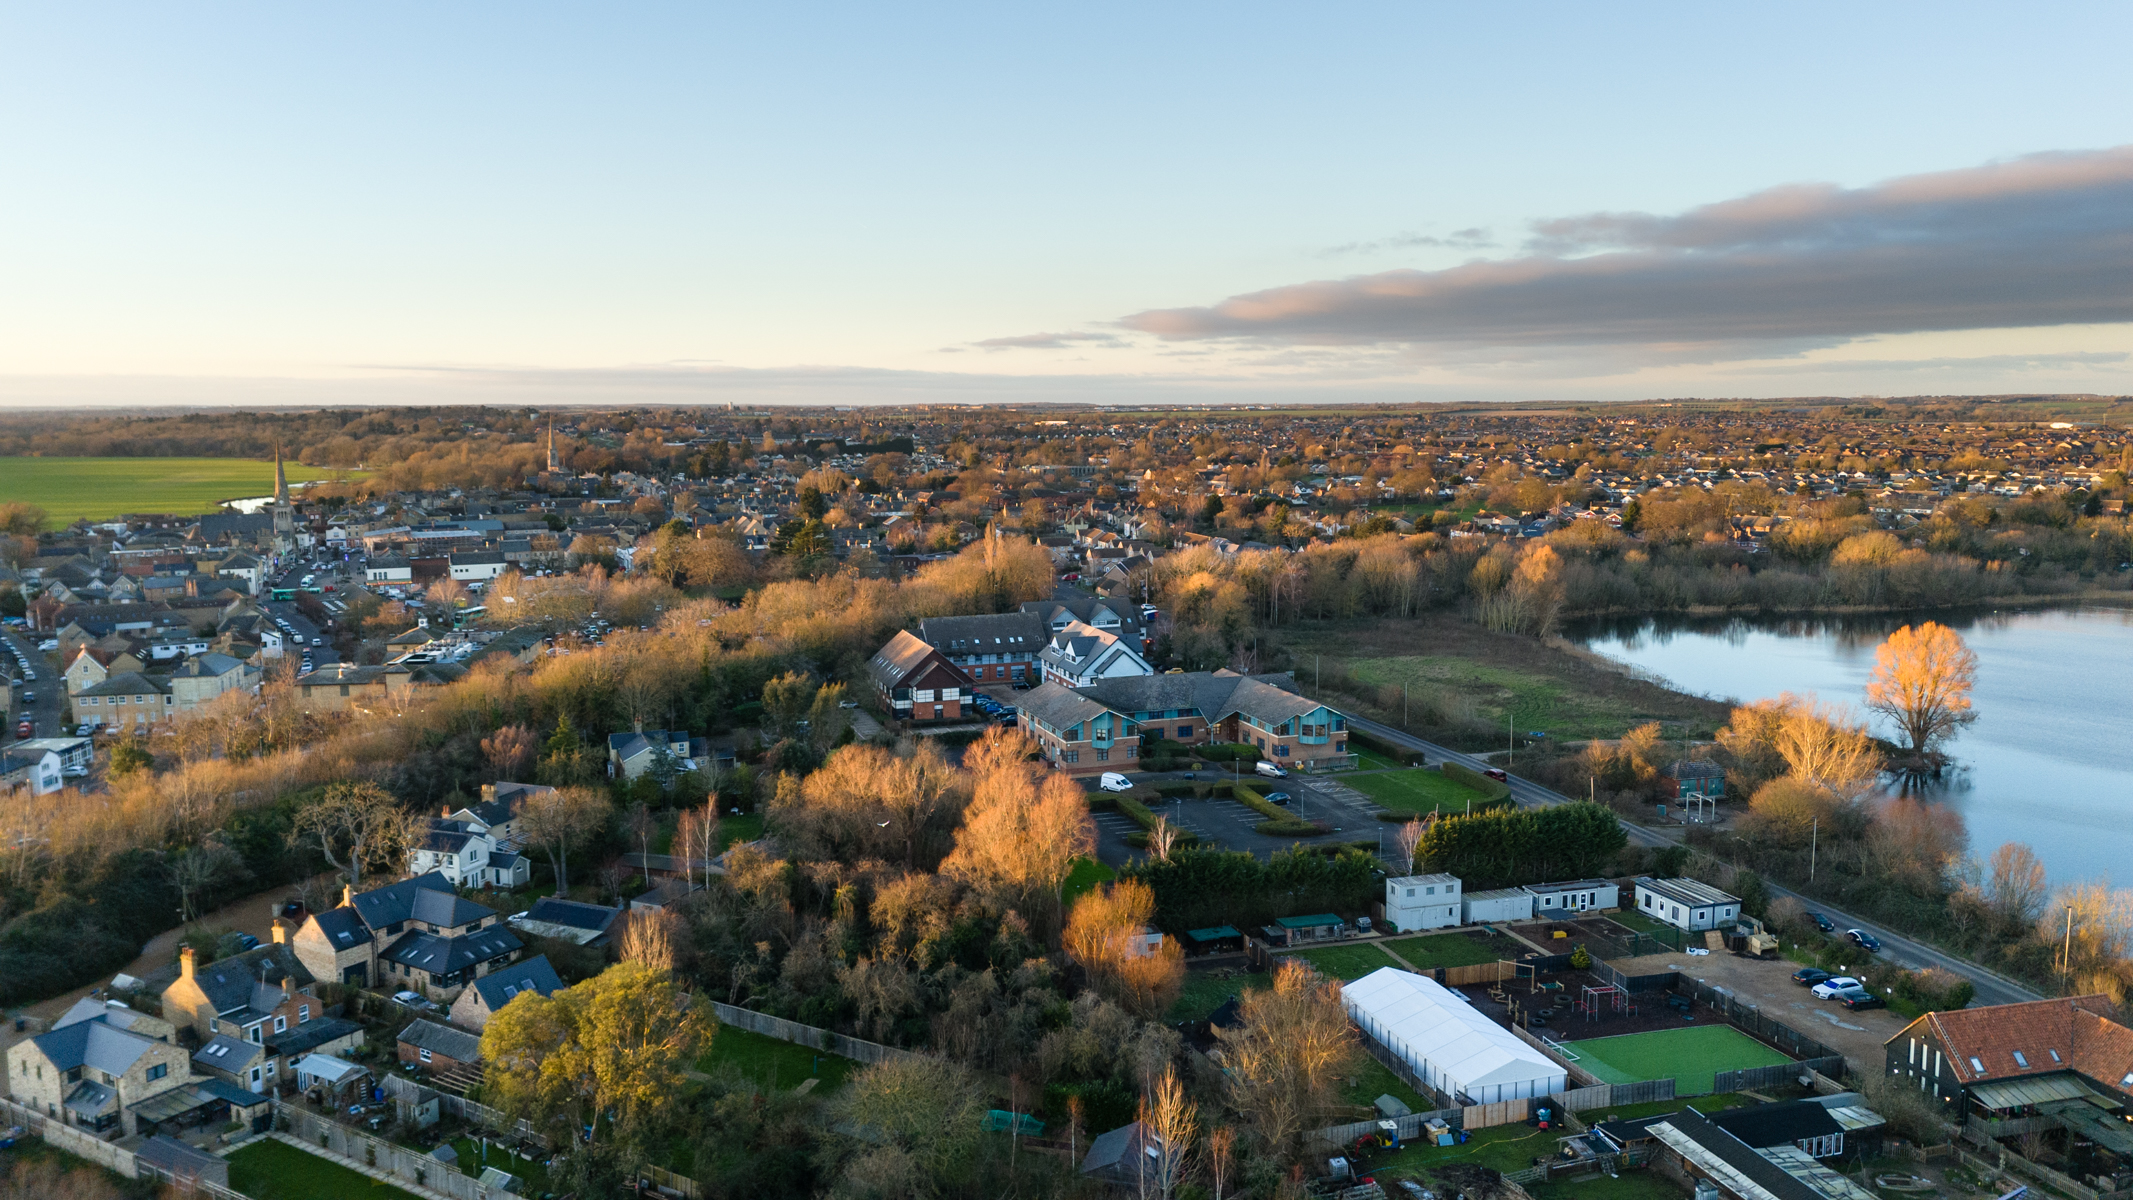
column 2073, row 1033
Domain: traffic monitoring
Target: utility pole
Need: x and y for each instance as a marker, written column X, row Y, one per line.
column 1317, row 678
column 1814, row 842
column 1510, row 733
column 1404, row 722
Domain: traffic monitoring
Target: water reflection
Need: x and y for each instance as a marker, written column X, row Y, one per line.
column 2046, row 763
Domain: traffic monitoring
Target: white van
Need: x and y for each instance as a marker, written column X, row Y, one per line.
column 1270, row 770
column 1112, row 781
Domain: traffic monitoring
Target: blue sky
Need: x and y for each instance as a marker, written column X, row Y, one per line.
column 489, row 202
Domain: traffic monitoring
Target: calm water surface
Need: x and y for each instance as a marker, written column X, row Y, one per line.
column 2049, row 760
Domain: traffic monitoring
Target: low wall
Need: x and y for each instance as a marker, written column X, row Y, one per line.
column 90, row 1148
column 407, row 1166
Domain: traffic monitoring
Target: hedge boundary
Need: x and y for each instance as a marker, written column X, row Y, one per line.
column 1413, row 758
column 1494, row 789
column 1280, row 822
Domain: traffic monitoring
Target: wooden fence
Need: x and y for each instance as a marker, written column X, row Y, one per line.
column 680, row 1185
column 1490, row 972
column 808, row 1035
column 88, row 1147
column 405, row 1165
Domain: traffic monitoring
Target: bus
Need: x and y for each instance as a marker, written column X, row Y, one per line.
column 467, row 616
column 284, row 594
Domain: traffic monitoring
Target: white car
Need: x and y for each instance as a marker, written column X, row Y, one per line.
column 410, row 999
column 1828, row 988
column 1112, row 781
column 1270, row 770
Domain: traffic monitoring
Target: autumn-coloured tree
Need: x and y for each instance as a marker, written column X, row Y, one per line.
column 1020, row 837
column 1922, row 681
column 651, row 938
column 1824, row 746
column 1107, row 933
column 1287, row 1054
column 509, row 751
column 619, row 1043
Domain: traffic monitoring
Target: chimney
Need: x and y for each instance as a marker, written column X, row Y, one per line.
column 185, row 962
column 280, row 933
column 348, row 895
column 288, row 987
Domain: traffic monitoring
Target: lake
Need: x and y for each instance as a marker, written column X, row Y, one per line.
column 2046, row 761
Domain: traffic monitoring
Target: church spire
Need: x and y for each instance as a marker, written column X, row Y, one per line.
column 281, row 478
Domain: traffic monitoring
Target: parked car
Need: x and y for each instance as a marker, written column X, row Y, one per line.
column 1828, row 988
column 1809, row 976
column 1822, row 923
column 1864, row 940
column 1860, row 998
column 411, row 1000
column 1277, row 797
column 1112, row 781
column 1270, row 770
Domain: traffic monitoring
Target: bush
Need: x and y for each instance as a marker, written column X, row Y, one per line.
column 1378, row 745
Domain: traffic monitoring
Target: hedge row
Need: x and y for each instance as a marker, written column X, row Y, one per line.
column 1280, row 822
column 1146, row 820
column 1380, row 745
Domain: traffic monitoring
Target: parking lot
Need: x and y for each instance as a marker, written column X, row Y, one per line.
column 1229, row 825
column 1767, row 984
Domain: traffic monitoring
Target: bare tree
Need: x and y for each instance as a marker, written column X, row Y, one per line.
column 510, row 751
column 651, row 938
column 1410, row 840
column 641, row 825
column 362, row 823
column 1168, row 1123
column 555, row 821
column 201, row 868
column 1161, row 839
column 1221, row 1157
column 2016, row 885
column 1287, row 1053
column 1922, row 681
column 695, row 839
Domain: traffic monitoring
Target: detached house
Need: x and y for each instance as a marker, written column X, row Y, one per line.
column 632, row 754
column 487, row 996
column 417, row 934
column 94, row 1073
column 1081, row 655
column 466, row 853
column 2065, row 1060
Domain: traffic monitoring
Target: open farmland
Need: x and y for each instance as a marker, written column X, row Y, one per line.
column 101, row 488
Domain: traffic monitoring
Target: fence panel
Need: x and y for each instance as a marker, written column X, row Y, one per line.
column 1579, row 1099
column 808, row 1035
column 1410, row 1126
column 317, row 1133
column 1485, row 1116
column 1492, row 972
column 1578, row 1075
column 407, row 1093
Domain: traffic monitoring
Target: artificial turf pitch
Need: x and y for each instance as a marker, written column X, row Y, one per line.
column 1689, row 1056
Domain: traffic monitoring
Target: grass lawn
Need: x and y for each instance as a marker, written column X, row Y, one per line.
column 1689, row 1055
column 1630, row 1112
column 272, row 1170
column 1371, row 760
column 1447, row 950
column 532, row 1176
column 1504, row 1147
column 744, row 828
column 1415, row 791
column 98, row 488
column 1630, row 1185
column 1346, row 962
column 1087, row 873
column 779, row 1066
column 1374, row 1079
column 1205, row 992
column 1672, row 935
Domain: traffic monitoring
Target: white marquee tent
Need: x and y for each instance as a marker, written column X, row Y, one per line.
column 1453, row 1047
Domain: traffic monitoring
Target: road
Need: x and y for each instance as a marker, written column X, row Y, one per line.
column 48, row 687
column 1992, row 987
column 304, row 631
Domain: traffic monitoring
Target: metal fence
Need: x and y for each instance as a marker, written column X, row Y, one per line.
column 87, row 1146
column 808, row 1035
column 1750, row 1078
column 1750, row 1019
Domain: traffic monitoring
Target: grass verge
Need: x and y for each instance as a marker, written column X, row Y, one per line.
column 772, row 1064
column 1417, row 792
column 1345, row 962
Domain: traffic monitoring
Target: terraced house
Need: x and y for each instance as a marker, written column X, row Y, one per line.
column 1105, row 726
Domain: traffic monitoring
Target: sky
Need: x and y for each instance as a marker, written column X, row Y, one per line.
column 1177, row 203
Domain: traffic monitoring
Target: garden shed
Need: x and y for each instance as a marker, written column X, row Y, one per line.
column 1450, row 1045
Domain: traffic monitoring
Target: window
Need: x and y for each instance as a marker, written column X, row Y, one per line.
column 2019, row 1060
column 424, row 1055
column 303, row 1013
column 1073, row 756
column 1976, row 1066
column 1184, row 731
column 1281, row 752
column 1103, row 756
column 1410, row 893
column 252, row 1032
column 281, row 1024
column 1133, row 752
column 158, row 1071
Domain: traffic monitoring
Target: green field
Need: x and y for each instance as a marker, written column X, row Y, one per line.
column 778, row 1066
column 1416, row 791
column 1689, row 1056
column 1085, row 876
column 1450, row 950
column 1346, row 962
column 271, row 1170
column 101, row 488
column 1206, row 991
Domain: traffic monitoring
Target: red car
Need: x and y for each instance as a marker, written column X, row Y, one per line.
column 1496, row 773
column 25, row 728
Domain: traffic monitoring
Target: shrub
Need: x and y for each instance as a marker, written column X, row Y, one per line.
column 1494, row 789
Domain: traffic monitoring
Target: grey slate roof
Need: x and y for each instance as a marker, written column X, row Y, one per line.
column 500, row 986
column 990, row 633
column 443, row 955
column 456, row 1044
column 93, row 1044
column 309, row 1036
column 575, row 914
column 251, row 979
column 1213, row 695
column 132, row 683
column 427, row 898
column 225, row 1053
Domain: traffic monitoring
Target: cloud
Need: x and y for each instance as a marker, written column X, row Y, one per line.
column 1050, row 341
column 2041, row 240
column 1458, row 239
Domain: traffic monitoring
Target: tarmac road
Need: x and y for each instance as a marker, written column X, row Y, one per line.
column 1992, row 987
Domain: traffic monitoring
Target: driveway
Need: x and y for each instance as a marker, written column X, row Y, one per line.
column 1767, row 984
